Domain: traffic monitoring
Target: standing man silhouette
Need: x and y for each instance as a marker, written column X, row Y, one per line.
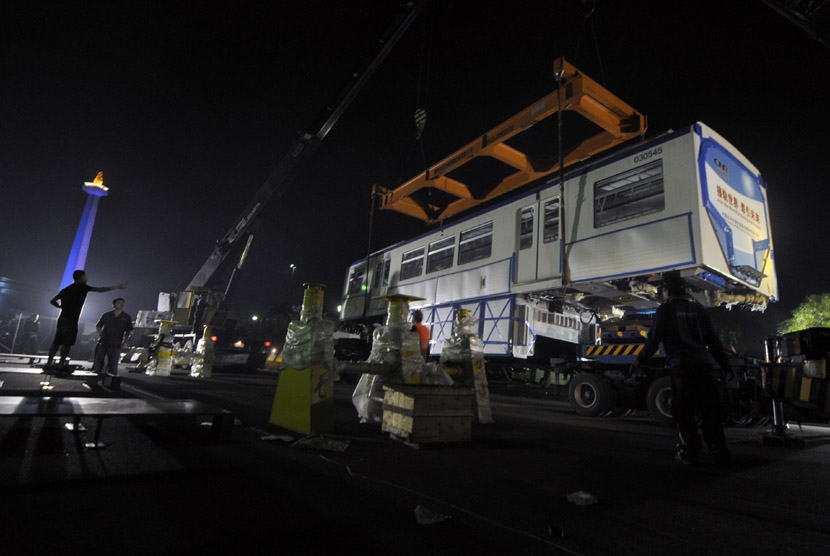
column 113, row 329
column 423, row 333
column 692, row 347
column 71, row 299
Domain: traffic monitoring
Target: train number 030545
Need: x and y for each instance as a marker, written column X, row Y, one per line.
column 648, row 154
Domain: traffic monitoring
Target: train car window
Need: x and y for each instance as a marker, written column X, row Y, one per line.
column 386, row 265
column 441, row 254
column 356, row 281
column 551, row 231
column 526, row 228
column 630, row 194
column 412, row 264
column 475, row 244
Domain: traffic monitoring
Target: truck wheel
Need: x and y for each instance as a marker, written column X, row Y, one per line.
column 591, row 395
column 658, row 399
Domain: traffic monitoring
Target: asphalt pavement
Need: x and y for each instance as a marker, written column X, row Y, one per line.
column 166, row 486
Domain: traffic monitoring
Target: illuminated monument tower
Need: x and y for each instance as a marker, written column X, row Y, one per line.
column 77, row 257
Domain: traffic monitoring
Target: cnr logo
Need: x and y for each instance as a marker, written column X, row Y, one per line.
column 721, row 165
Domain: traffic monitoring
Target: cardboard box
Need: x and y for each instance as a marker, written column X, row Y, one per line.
column 421, row 414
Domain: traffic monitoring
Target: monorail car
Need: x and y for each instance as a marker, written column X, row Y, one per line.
column 686, row 200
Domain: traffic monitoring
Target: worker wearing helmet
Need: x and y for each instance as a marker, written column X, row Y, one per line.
column 692, row 347
column 423, row 333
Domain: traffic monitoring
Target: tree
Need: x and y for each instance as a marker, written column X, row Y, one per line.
column 813, row 312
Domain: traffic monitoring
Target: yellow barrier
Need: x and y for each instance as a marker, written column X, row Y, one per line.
column 304, row 401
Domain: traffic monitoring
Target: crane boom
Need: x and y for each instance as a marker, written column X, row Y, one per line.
column 292, row 163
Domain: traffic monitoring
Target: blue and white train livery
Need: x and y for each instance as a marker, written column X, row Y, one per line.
column 686, row 200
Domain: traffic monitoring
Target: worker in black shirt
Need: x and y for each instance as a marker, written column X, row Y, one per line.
column 692, row 347
column 72, row 299
column 113, row 329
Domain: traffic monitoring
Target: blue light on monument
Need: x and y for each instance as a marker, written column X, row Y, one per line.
column 77, row 257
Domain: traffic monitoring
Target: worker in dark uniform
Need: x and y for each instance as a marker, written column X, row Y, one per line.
column 423, row 333
column 692, row 347
column 72, row 299
column 113, row 329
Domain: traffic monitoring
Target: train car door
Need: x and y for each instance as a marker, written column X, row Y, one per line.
column 526, row 243
column 381, row 276
column 379, row 284
column 549, row 261
column 538, row 249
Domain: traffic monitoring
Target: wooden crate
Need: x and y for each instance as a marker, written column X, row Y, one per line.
column 420, row 414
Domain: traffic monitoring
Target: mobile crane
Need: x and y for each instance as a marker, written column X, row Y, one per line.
column 207, row 297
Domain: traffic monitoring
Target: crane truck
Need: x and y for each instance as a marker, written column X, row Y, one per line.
column 207, row 297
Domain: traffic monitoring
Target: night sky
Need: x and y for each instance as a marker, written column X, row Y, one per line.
column 188, row 107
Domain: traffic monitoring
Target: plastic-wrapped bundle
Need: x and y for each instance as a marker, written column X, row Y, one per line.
column 367, row 398
column 412, row 362
column 387, row 343
column 414, row 369
column 162, row 362
column 464, row 344
column 434, row 373
column 398, row 346
column 464, row 326
column 397, row 313
column 202, row 364
column 183, row 355
column 309, row 340
column 309, row 343
column 465, row 350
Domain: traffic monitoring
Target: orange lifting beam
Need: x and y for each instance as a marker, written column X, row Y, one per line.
column 581, row 94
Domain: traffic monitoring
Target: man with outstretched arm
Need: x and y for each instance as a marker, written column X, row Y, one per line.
column 70, row 300
column 692, row 347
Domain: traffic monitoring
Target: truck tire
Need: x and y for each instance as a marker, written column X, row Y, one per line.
column 591, row 395
column 658, row 399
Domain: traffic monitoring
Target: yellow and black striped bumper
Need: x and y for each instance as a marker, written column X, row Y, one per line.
column 616, row 353
column 787, row 382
